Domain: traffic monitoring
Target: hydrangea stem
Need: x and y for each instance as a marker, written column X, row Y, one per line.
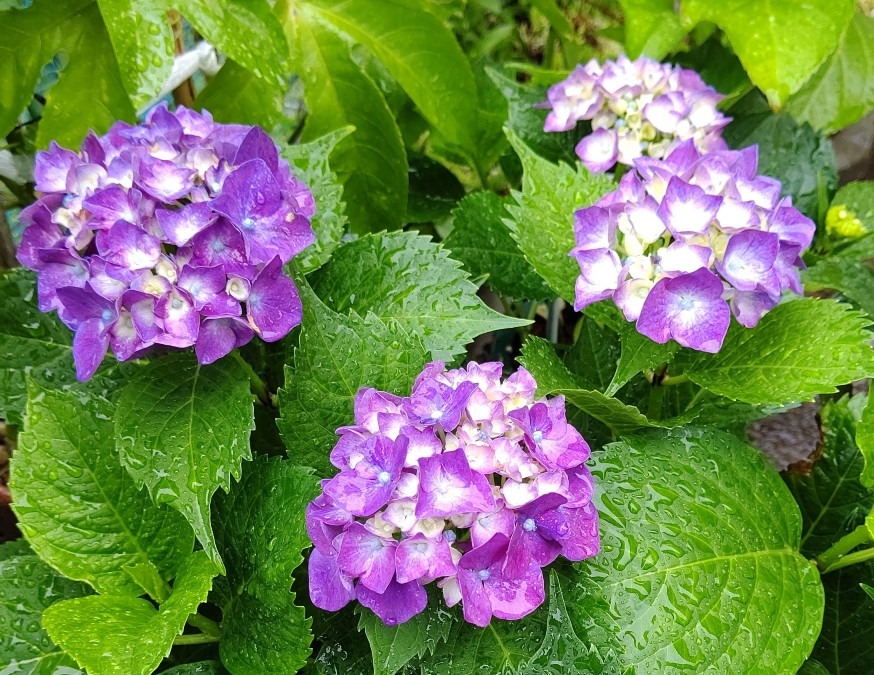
column 839, row 555
column 259, row 388
column 195, row 639
column 206, row 625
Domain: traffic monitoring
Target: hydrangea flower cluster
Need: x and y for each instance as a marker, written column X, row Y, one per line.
column 469, row 481
column 172, row 232
column 685, row 242
column 637, row 108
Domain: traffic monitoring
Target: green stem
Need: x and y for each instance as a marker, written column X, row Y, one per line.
column 656, row 401
column 674, row 379
column 195, row 639
column 851, row 559
column 694, row 400
column 834, row 557
column 206, row 625
column 258, row 386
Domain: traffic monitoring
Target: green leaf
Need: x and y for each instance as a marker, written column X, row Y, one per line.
column 865, row 441
column 593, row 357
column 481, row 241
column 554, row 378
column 799, row 349
column 395, row 646
column 143, row 42
column 260, row 533
column 420, row 53
column 542, row 218
column 779, row 46
column 32, row 38
column 639, row 353
column 697, row 525
column 183, row 430
column 32, row 344
column 846, row 644
column 338, row 355
column 526, row 120
column 149, row 579
column 27, row 587
column 310, row 164
column 89, row 93
column 236, row 96
column 699, row 565
column 371, row 162
column 199, row 668
column 832, row 500
column 118, row 635
column 853, row 279
column 246, row 30
column 434, row 190
column 77, row 506
column 652, row 27
column 841, row 92
column 406, row 278
column 802, row 159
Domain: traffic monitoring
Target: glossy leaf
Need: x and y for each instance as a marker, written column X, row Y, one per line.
column 407, row 279
column 593, row 357
column 78, row 507
column 481, row 241
column 32, row 344
column 841, row 91
column 832, row 499
column 119, row 635
column 182, row 430
column 779, row 45
column 652, row 27
column 853, row 279
column 27, row 587
column 310, row 163
column 554, row 378
column 260, row 534
column 199, row 668
column 246, row 30
column 858, row 198
column 799, row 349
column 865, row 441
column 371, row 162
column 338, row 355
column 420, row 53
column 542, row 217
column 143, row 42
column 393, row 647
column 802, row 159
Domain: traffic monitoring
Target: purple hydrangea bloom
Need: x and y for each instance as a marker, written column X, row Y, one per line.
column 639, row 108
column 687, row 241
column 173, row 232
column 470, row 482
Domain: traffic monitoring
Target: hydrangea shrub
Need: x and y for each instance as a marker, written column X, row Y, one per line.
column 515, row 438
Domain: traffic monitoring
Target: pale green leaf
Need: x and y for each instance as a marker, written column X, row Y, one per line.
column 246, row 30
column 119, row 635
column 799, row 349
column 371, row 162
column 89, row 93
column 143, row 42
column 420, row 53
column 236, row 96
column 543, row 215
column 182, row 430
column 310, row 163
column 779, row 44
column 481, row 241
column 865, row 441
column 405, row 278
column 652, row 27
column 841, row 92
column 858, row 199
column 852, row 278
column 338, row 355
column 27, row 587
column 260, row 533
column 76, row 504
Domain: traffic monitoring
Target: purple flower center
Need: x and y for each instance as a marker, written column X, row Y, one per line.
column 484, row 574
column 421, row 547
column 537, row 436
column 383, row 477
column 249, row 223
column 529, row 525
